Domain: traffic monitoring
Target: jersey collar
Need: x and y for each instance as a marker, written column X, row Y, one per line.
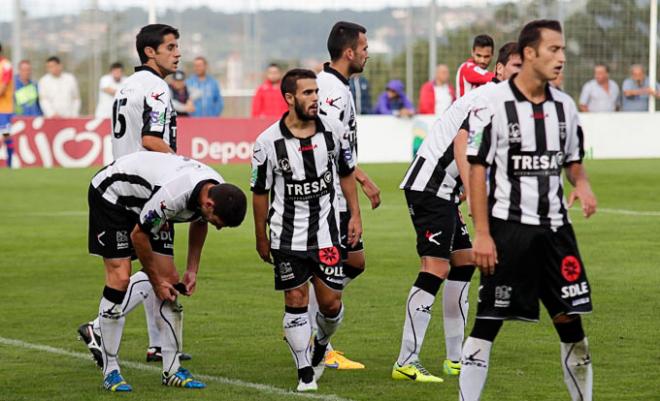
column 147, row 68
column 521, row 98
column 193, row 203
column 330, row 70
column 286, row 132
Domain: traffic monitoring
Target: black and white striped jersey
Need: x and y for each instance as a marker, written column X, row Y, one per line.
column 142, row 106
column 157, row 187
column 434, row 168
column 336, row 101
column 525, row 145
column 300, row 175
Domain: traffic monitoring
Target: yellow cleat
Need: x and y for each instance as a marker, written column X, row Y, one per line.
column 337, row 360
column 451, row 368
column 414, row 372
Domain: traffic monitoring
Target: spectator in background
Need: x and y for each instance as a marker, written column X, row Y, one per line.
column 58, row 91
column 181, row 100
column 268, row 100
column 394, row 101
column 636, row 90
column 108, row 85
column 601, row 94
column 6, row 104
column 359, row 86
column 204, row 90
column 474, row 71
column 437, row 95
column 26, row 94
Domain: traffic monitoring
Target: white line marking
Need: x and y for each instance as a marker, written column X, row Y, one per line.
column 264, row 388
column 626, row 212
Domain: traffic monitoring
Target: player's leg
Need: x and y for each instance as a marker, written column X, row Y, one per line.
column 328, row 318
column 476, row 358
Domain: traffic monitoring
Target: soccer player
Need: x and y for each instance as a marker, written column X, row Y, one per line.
column 474, row 71
column 297, row 160
column 524, row 132
column 433, row 189
column 143, row 118
column 347, row 45
column 132, row 200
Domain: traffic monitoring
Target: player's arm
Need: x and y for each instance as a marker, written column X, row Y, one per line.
column 477, row 75
column 260, row 211
column 460, row 155
column 346, row 170
column 575, row 172
column 196, row 236
column 369, row 188
column 260, row 184
column 140, row 239
column 155, row 119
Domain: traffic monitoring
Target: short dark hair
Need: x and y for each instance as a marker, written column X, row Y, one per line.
column 152, row 36
column 116, row 65
column 290, row 80
column 344, row 35
column 607, row 69
column 531, row 34
column 483, row 41
column 230, row 203
column 509, row 49
column 54, row 59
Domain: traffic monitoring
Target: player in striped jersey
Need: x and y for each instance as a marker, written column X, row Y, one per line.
column 297, row 160
column 143, row 119
column 474, row 71
column 136, row 198
column 433, row 188
column 525, row 132
column 347, row 46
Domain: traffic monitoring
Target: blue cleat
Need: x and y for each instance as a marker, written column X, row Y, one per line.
column 114, row 382
column 182, row 378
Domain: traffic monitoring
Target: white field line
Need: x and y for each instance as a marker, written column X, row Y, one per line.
column 625, row 212
column 264, row 388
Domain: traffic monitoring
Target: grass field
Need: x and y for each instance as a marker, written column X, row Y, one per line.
column 49, row 285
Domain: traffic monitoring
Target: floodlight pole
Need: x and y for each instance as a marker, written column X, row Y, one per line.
column 409, row 52
column 16, row 49
column 433, row 57
column 152, row 11
column 653, row 51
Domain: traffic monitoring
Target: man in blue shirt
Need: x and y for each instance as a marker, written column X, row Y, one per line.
column 205, row 91
column 636, row 90
column 26, row 95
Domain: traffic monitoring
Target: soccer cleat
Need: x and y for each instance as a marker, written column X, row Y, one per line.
column 318, row 359
column 451, row 368
column 154, row 354
column 415, row 372
column 87, row 335
column 336, row 360
column 306, row 380
column 182, row 378
column 114, row 382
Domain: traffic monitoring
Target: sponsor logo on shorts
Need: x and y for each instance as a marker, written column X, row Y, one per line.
column 286, row 271
column 503, row 296
column 98, row 237
column 329, row 257
column 333, row 271
column 581, row 301
column 575, row 290
column 432, row 236
column 122, row 239
column 571, row 268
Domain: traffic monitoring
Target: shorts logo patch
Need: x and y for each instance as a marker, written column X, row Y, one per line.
column 98, row 237
column 431, row 236
column 329, row 256
column 286, row 271
column 122, row 239
column 571, row 268
column 503, row 296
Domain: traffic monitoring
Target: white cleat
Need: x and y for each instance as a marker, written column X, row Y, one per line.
column 318, row 370
column 306, row 387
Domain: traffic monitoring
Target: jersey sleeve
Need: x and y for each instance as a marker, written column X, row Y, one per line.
column 477, row 75
column 574, row 140
column 482, row 138
column 346, row 159
column 334, row 104
column 156, row 104
column 157, row 211
column 261, row 179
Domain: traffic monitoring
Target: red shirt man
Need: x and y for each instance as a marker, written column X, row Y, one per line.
column 268, row 100
column 474, row 71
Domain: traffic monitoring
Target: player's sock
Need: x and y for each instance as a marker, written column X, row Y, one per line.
column 455, row 308
column 328, row 325
column 351, row 273
column 312, row 308
column 154, row 319
column 297, row 334
column 172, row 335
column 139, row 289
column 418, row 315
column 475, row 359
column 111, row 323
column 575, row 360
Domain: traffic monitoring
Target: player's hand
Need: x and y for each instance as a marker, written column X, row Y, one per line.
column 263, row 249
column 587, row 198
column 165, row 291
column 485, row 253
column 372, row 191
column 190, row 281
column 354, row 230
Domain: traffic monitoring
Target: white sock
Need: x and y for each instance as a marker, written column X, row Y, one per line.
column 297, row 333
column 418, row 316
column 172, row 335
column 474, row 368
column 139, row 289
column 111, row 326
column 312, row 307
column 455, row 308
column 327, row 326
column 578, row 373
column 154, row 320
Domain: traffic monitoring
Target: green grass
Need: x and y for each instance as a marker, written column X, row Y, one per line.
column 49, row 285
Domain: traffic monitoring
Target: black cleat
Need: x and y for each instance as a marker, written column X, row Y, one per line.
column 93, row 342
column 154, row 355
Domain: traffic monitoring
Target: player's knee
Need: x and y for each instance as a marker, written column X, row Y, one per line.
column 297, row 297
column 331, row 307
column 356, row 260
column 486, row 329
column 461, row 273
column 435, row 266
column 569, row 328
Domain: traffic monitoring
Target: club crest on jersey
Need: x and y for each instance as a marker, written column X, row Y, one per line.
column 284, row 164
column 285, row 270
column 514, row 133
column 156, row 97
